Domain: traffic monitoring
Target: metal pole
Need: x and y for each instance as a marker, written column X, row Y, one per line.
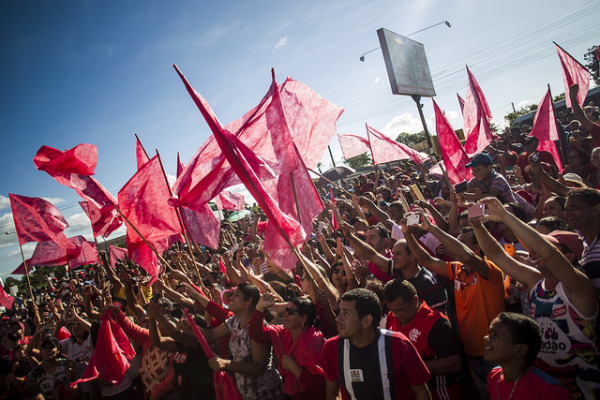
column 331, row 155
column 417, row 99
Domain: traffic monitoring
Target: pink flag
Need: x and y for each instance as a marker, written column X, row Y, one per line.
column 461, row 103
column 21, row 268
column 384, row 149
column 453, row 154
column 230, row 201
column 51, row 254
column 224, row 270
column 143, row 201
column 72, row 169
column 573, row 72
column 87, row 255
column 544, row 128
column 37, row 220
column 477, row 117
column 6, row 300
column 112, row 354
column 117, row 254
column 353, row 145
column 250, row 168
column 202, row 225
column 140, row 153
column 81, row 159
column 180, row 166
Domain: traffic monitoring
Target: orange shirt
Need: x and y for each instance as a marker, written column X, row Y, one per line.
column 478, row 302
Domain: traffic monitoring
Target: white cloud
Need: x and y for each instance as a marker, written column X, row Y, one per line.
column 402, row 123
column 523, row 104
column 4, row 202
column 54, row 200
column 377, row 80
column 171, row 179
column 282, row 43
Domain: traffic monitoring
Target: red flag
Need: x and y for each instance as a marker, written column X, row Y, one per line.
column 72, row 169
column 143, row 201
column 180, row 166
column 6, row 300
column 454, row 156
column 140, row 153
column 477, row 117
column 544, row 128
column 573, row 72
column 117, row 254
column 103, row 220
column 224, row 270
column 87, row 255
column 202, row 226
column 112, row 354
column 251, row 169
column 51, row 254
column 81, row 160
column 21, row 268
column 461, row 103
column 230, row 201
column 384, row 149
column 353, row 145
column 37, row 220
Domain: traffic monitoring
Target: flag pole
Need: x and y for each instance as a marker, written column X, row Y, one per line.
column 582, row 66
column 101, row 280
column 27, row 276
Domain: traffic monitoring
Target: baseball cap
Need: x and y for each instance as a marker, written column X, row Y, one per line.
column 54, row 341
column 478, row 159
column 570, row 239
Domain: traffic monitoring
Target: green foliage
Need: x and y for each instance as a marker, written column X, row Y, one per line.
column 36, row 277
column 359, row 161
column 559, row 97
column 592, row 64
column 511, row 117
column 411, row 139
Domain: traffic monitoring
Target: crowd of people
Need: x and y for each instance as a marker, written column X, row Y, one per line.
column 408, row 287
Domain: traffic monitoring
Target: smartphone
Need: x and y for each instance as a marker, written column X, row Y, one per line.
column 509, row 169
column 412, row 219
column 510, row 249
column 461, row 187
column 476, row 210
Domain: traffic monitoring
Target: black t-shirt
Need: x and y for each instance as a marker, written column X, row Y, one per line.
column 193, row 375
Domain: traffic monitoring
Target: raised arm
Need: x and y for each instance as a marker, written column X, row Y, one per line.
column 423, row 257
column 363, row 250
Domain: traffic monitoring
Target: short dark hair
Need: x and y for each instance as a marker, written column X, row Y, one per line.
column 366, row 303
column 250, row 292
column 518, row 211
column 553, row 224
column 383, row 232
column 523, row 330
column 399, row 289
column 589, row 196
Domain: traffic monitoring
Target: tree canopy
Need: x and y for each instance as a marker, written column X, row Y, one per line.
column 359, row 161
column 411, row 139
column 592, row 63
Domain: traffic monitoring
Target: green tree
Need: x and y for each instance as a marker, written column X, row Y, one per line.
column 559, row 97
column 411, row 139
column 359, row 161
column 511, row 117
column 592, row 64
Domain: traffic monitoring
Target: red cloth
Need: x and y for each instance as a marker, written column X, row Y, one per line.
column 37, row 220
column 6, row 300
column 112, row 353
column 353, row 145
column 81, row 159
column 384, row 149
column 143, row 201
column 454, row 155
column 21, row 268
column 477, row 117
column 230, row 201
column 573, row 72
column 87, row 255
column 461, row 103
column 52, row 254
column 224, row 270
column 180, row 166
column 544, row 128
column 334, row 222
column 202, row 225
column 250, row 168
column 140, row 153
column 116, row 254
column 73, row 168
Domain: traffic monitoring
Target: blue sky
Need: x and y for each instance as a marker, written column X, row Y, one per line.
column 99, row 71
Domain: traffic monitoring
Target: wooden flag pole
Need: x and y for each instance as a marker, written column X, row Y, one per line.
column 27, row 276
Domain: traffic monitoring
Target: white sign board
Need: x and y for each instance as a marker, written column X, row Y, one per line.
column 406, row 64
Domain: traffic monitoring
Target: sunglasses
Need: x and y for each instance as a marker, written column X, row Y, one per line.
column 339, row 271
column 291, row 311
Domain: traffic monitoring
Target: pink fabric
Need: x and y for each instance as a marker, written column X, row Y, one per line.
column 50, row 253
column 573, row 72
column 104, row 220
column 353, row 145
column 384, row 149
column 116, row 254
column 454, row 156
column 461, row 103
column 37, row 220
column 477, row 117
column 334, row 222
column 202, row 226
column 6, row 300
column 81, row 160
column 180, row 166
column 21, row 268
column 143, row 200
column 111, row 356
column 230, row 201
column 544, row 128
column 140, row 153
column 87, row 255
column 251, row 169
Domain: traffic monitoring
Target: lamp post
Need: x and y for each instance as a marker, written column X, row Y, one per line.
column 447, row 23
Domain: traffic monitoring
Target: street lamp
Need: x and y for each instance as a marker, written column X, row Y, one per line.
column 447, row 23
